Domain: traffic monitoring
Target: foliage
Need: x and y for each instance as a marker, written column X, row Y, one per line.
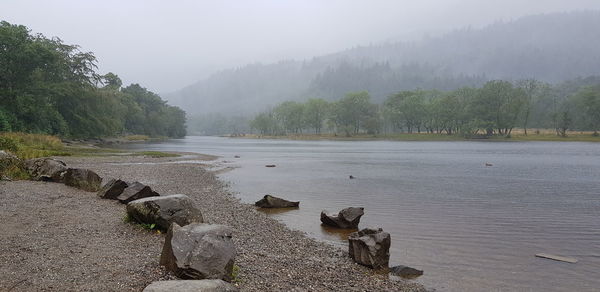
column 157, row 154
column 494, row 109
column 49, row 87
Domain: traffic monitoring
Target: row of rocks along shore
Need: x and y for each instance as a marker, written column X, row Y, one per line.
column 60, row 238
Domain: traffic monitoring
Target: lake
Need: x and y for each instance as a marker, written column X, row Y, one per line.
column 469, row 226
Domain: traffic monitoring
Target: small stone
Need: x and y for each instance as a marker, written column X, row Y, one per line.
column 164, row 210
column 269, row 201
column 112, row 189
column 136, row 191
column 84, row 179
column 370, row 247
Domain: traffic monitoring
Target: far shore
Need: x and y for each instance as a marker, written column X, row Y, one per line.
column 517, row 136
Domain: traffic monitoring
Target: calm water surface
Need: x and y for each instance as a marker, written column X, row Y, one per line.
column 468, row 226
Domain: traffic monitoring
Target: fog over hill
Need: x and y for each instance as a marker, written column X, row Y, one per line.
column 550, row 47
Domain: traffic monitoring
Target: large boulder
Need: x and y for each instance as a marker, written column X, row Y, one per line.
column 347, row 218
column 136, row 191
column 164, row 210
column 370, row 247
column 190, row 286
column 112, row 189
column 269, row 201
column 46, row 169
column 199, row 251
column 405, row 272
column 84, row 179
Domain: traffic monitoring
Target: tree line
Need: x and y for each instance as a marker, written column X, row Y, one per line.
column 496, row 108
column 50, row 87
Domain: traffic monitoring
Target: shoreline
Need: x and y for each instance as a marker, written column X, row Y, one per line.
column 424, row 137
column 270, row 256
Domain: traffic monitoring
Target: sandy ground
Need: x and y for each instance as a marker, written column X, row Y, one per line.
column 57, row 238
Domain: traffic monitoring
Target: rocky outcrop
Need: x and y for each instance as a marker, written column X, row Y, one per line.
column 112, row 189
column 347, row 218
column 84, row 179
column 370, row 247
column 46, row 169
column 190, row 286
column 164, row 210
column 136, row 191
column 199, row 251
column 405, row 272
column 269, row 201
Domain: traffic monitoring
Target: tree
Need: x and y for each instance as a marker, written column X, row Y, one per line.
column 498, row 105
column 291, row 116
column 532, row 90
column 316, row 110
column 407, row 109
column 589, row 100
column 351, row 112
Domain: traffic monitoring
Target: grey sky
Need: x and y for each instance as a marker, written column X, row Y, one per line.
column 166, row 45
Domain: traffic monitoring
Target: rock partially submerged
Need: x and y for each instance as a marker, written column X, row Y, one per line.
column 269, row 201
column 190, row 286
column 84, row 179
column 112, row 189
column 46, row 169
column 164, row 210
column 347, row 218
column 199, row 251
column 405, row 272
column 136, row 191
column 370, row 247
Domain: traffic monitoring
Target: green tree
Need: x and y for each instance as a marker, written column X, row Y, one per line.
column 589, row 101
column 351, row 112
column 316, row 111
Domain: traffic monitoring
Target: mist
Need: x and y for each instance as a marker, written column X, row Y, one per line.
column 169, row 45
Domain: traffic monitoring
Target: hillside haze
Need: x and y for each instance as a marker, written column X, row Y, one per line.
column 551, row 48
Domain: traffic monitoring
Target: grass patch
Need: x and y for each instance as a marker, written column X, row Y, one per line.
column 235, row 272
column 145, row 226
column 156, row 154
column 137, row 138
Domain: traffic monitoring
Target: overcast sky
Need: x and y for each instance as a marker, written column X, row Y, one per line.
column 166, row 45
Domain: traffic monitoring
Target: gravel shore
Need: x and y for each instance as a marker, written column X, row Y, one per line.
column 57, row 238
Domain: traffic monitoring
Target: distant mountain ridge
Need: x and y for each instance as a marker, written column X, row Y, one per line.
column 548, row 47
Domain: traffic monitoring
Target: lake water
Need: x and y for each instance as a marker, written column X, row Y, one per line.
column 470, row 227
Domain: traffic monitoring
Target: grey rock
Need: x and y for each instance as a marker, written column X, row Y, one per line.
column 112, row 189
column 269, row 201
column 46, row 169
column 347, row 218
column 370, row 247
column 84, row 179
column 136, row 191
column 190, row 286
column 405, row 272
column 199, row 251
column 164, row 210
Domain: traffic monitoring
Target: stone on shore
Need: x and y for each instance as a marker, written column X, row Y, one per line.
column 190, row 286
column 84, row 179
column 370, row 247
column 347, row 218
column 46, row 169
column 112, row 189
column 199, row 251
column 269, row 201
column 136, row 191
column 164, row 210
column 405, row 272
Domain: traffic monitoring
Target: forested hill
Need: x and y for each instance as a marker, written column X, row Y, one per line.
column 50, row 87
column 551, row 48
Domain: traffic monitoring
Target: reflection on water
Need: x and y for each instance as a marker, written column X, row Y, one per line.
column 469, row 226
column 342, row 234
column 277, row 211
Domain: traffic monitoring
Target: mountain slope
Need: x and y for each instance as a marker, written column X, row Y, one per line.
column 552, row 48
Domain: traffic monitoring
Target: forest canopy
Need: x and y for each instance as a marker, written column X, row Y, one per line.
column 47, row 86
